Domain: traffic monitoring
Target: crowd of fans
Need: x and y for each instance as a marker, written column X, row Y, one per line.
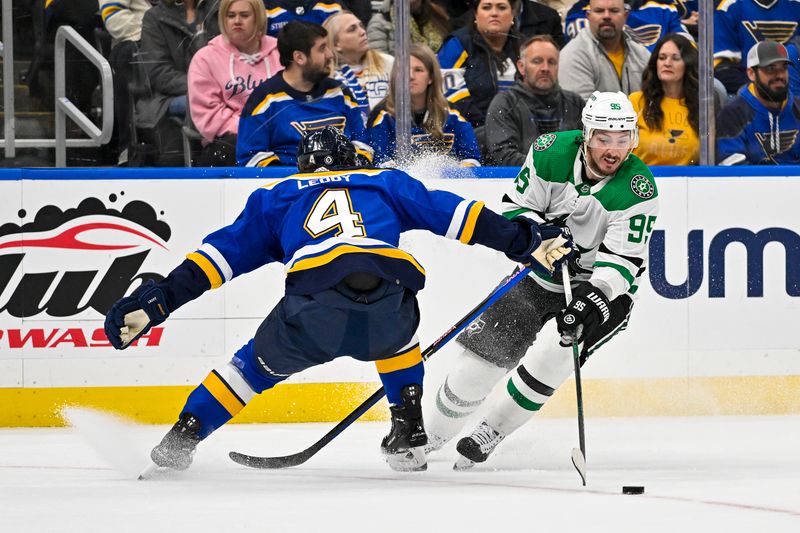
column 250, row 77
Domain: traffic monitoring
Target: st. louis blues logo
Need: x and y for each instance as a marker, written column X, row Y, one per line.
column 773, row 30
column 307, row 126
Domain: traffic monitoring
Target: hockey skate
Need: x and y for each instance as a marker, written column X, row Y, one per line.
column 403, row 446
column 435, row 443
column 477, row 447
column 176, row 449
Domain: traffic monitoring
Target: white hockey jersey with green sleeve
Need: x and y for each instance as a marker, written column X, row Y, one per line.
column 611, row 220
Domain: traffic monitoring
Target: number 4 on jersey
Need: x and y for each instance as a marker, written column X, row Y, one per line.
column 333, row 211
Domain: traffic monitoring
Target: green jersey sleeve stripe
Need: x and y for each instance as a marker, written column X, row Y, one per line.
column 511, row 214
column 622, row 270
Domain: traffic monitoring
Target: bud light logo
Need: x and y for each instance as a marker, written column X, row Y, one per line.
column 75, row 264
column 714, row 256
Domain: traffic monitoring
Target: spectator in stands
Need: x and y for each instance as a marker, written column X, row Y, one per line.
column 760, row 125
column 740, row 24
column 81, row 76
column 561, row 7
column 281, row 12
column 536, row 18
column 793, row 48
column 479, row 60
column 429, row 24
column 534, row 105
column 602, row 57
column 668, row 105
column 648, row 20
column 435, row 127
column 300, row 99
column 172, row 32
column 223, row 74
column 362, row 70
column 123, row 21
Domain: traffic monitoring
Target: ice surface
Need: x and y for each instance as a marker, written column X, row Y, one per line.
column 731, row 474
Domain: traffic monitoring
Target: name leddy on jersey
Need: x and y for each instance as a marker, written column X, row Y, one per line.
column 303, row 184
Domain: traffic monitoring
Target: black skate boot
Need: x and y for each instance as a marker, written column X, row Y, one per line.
column 177, row 447
column 403, row 446
column 478, row 446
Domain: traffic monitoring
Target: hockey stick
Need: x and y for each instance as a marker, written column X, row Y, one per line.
column 303, row 456
column 578, row 455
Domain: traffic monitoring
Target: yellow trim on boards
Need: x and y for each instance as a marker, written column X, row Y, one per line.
column 331, row 402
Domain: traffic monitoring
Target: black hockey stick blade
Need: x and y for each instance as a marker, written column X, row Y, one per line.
column 301, row 457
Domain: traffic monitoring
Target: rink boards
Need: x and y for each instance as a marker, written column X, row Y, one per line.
column 713, row 331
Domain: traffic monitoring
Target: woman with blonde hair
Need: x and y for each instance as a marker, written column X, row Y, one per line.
column 436, row 128
column 364, row 71
column 223, row 74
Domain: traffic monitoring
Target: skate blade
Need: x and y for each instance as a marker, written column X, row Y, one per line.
column 412, row 460
column 154, row 471
column 462, row 463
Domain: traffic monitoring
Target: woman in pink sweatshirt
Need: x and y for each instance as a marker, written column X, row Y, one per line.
column 224, row 73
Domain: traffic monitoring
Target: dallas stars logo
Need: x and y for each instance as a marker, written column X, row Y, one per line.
column 543, row 142
column 642, row 187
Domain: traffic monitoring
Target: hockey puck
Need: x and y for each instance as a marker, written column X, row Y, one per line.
column 632, row 490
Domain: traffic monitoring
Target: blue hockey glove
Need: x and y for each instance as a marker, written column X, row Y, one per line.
column 133, row 316
column 588, row 309
column 548, row 246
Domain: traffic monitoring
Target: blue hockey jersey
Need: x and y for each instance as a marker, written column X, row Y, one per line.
column 276, row 116
column 325, row 225
column 458, row 140
column 794, row 66
column 746, row 127
column 646, row 24
column 740, row 24
column 281, row 12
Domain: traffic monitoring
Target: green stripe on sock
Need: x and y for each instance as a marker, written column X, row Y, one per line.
column 521, row 400
column 449, row 413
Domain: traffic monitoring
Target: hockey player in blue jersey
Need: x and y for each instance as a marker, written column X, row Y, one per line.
column 349, row 289
column 300, row 99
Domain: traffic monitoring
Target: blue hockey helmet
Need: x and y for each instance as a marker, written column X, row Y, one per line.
column 326, row 147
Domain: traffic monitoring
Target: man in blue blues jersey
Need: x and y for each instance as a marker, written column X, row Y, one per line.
column 349, row 289
column 296, row 101
column 761, row 125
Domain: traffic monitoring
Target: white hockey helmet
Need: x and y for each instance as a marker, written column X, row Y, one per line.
column 609, row 112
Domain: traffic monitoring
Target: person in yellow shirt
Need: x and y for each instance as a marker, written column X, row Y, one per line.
column 668, row 104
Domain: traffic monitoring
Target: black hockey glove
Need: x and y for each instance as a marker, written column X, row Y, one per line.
column 588, row 309
column 548, row 246
column 133, row 316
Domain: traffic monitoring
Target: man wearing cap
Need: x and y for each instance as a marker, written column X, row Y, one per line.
column 760, row 125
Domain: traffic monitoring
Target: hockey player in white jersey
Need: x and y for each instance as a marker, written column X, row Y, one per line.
column 607, row 197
